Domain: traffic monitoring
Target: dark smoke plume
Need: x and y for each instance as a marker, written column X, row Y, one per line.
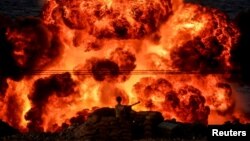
column 61, row 85
column 26, row 45
column 240, row 53
column 100, row 69
column 3, row 86
column 104, row 69
column 197, row 55
column 192, row 108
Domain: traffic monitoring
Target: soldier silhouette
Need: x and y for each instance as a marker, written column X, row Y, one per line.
column 119, row 108
column 123, row 111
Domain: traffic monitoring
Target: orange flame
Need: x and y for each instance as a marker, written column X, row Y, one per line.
column 130, row 48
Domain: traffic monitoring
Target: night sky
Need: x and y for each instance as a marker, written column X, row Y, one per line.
column 33, row 7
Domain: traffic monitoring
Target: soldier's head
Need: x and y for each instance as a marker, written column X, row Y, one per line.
column 119, row 99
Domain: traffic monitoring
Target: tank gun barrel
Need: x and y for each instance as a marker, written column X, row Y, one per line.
column 134, row 104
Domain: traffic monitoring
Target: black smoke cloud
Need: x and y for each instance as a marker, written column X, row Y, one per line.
column 99, row 69
column 26, row 44
column 105, row 69
column 192, row 109
column 116, row 68
column 3, row 85
column 197, row 55
column 61, row 85
column 240, row 53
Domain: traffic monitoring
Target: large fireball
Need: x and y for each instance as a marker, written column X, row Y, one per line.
column 109, row 18
column 81, row 54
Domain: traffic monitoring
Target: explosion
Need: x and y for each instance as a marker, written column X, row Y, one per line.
column 172, row 56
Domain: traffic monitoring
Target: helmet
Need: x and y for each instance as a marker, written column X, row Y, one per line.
column 118, row 98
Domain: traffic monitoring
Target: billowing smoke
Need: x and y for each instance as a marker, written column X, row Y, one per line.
column 60, row 85
column 4, row 22
column 240, row 52
column 191, row 101
column 201, row 41
column 148, row 87
column 197, row 55
column 221, row 100
column 125, row 60
column 105, row 69
column 3, row 85
column 109, row 19
column 187, row 103
column 26, row 45
column 116, row 68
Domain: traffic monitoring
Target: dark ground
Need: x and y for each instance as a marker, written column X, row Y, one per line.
column 102, row 125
